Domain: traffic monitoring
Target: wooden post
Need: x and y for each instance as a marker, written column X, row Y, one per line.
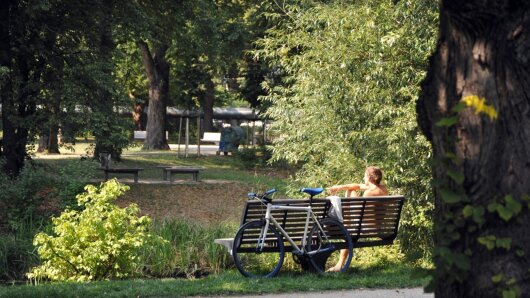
column 248, row 134
column 253, row 131
column 199, row 135
column 187, row 137
column 180, row 133
column 264, row 134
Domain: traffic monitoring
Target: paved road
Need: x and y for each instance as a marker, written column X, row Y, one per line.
column 358, row 293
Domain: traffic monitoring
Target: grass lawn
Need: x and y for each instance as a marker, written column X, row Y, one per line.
column 214, row 167
column 227, row 283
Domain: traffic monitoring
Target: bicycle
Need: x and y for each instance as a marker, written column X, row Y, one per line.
column 258, row 247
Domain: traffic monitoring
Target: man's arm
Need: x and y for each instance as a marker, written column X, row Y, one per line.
column 354, row 186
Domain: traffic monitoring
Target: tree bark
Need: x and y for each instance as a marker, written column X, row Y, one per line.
column 18, row 100
column 207, row 101
column 48, row 141
column 157, row 70
column 483, row 50
column 104, row 104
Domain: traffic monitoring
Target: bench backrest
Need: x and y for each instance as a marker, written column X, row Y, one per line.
column 370, row 221
column 142, row 135
column 293, row 222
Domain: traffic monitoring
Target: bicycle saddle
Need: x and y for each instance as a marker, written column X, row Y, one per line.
column 312, row 191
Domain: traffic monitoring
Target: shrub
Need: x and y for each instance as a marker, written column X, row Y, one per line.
column 21, row 196
column 191, row 251
column 17, row 254
column 254, row 157
column 72, row 177
column 101, row 241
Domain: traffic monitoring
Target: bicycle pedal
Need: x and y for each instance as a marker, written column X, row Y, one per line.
column 323, row 250
column 298, row 253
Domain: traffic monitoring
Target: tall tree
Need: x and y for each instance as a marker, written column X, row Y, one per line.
column 482, row 62
column 21, row 70
column 157, row 69
column 347, row 79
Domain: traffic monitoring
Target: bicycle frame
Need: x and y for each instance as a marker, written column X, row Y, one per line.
column 270, row 219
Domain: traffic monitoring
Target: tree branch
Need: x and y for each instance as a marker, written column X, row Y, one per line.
column 147, row 60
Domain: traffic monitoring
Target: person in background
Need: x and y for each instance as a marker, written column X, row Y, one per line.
column 372, row 187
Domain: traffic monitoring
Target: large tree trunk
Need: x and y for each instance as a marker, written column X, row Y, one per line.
column 157, row 70
column 18, row 99
column 483, row 50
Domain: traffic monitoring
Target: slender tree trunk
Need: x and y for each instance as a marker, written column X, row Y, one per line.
column 483, row 50
column 138, row 111
column 104, row 104
column 157, row 70
column 207, row 101
column 48, row 141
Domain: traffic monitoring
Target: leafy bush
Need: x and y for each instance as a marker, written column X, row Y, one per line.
column 254, row 157
column 40, row 190
column 21, row 196
column 72, row 178
column 17, row 254
column 101, row 241
column 352, row 73
column 191, row 251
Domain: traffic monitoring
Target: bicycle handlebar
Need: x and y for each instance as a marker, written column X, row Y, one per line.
column 262, row 197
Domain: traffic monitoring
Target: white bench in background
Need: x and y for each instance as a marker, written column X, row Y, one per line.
column 214, row 137
column 142, row 134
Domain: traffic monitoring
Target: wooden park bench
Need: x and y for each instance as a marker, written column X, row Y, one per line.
column 370, row 221
column 133, row 171
column 169, row 171
column 105, row 167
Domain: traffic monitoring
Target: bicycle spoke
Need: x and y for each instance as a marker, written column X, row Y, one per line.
column 253, row 260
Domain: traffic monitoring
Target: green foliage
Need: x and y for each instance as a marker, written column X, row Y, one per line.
column 461, row 216
column 189, row 249
column 21, row 196
column 254, row 157
column 352, row 73
column 101, row 241
column 72, row 178
column 17, row 254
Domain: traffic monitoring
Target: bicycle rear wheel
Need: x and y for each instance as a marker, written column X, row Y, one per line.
column 326, row 246
column 252, row 261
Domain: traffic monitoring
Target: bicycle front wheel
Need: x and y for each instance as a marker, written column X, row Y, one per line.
column 330, row 248
column 250, row 258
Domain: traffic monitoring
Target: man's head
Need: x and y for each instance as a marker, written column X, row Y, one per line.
column 373, row 175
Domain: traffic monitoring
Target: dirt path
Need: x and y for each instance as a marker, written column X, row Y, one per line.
column 204, row 202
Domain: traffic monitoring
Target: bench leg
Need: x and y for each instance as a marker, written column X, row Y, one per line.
column 136, row 177
column 195, row 177
column 170, row 177
column 106, row 175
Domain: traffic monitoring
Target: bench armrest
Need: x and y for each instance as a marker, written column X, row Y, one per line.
column 226, row 242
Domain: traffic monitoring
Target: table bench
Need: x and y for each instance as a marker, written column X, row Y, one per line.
column 171, row 170
column 370, row 221
column 133, row 171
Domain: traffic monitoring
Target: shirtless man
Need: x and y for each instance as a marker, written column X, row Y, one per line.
column 372, row 187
